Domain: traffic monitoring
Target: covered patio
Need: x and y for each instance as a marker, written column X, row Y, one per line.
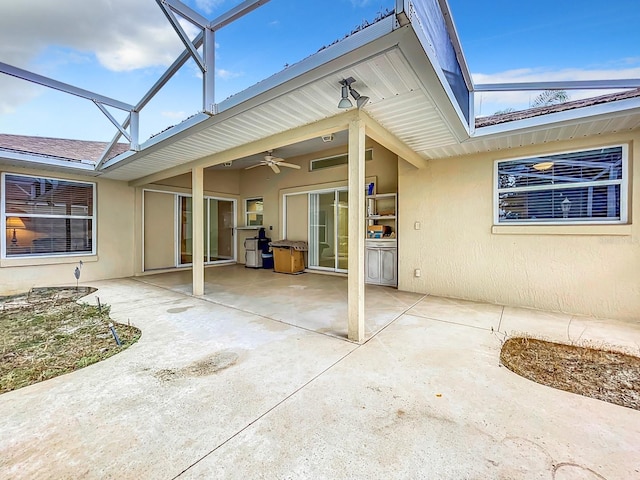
column 311, row 301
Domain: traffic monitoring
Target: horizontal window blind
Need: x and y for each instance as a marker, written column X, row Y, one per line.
column 47, row 216
column 568, row 187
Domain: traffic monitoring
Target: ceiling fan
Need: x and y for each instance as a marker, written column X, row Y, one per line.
column 274, row 163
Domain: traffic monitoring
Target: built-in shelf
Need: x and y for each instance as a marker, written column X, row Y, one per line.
column 251, row 227
column 381, row 252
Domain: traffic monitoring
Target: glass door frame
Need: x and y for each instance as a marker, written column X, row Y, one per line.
column 207, row 243
column 313, row 228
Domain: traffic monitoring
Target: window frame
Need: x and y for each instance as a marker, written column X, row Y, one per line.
column 4, row 215
column 623, row 182
column 247, row 212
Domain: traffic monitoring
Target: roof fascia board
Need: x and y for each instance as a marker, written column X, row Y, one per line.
column 305, row 132
column 560, row 85
column 459, row 126
column 455, row 41
column 44, row 162
column 377, row 132
column 568, row 117
column 432, row 75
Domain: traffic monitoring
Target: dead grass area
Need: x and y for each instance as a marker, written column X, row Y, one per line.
column 599, row 373
column 45, row 333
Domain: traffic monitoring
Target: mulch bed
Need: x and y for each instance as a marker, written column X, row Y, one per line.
column 604, row 374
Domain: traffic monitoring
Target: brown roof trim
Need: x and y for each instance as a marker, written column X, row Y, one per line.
column 561, row 107
column 61, row 148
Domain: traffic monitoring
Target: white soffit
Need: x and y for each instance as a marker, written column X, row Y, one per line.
column 399, row 102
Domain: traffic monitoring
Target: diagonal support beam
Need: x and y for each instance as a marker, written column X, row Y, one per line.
column 63, row 87
column 184, row 38
column 169, row 73
column 187, row 13
column 113, row 120
column 235, row 13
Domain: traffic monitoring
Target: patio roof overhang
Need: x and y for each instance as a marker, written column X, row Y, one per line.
column 410, row 109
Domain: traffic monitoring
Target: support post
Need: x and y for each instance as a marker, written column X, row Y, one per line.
column 356, row 231
column 208, row 81
column 197, row 221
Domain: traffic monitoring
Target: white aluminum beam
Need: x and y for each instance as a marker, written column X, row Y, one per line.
column 187, row 13
column 109, row 147
column 63, row 87
column 170, row 72
column 235, row 13
column 209, row 74
column 113, row 120
column 184, row 38
column 570, row 85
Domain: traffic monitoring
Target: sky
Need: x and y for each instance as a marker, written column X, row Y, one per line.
column 119, row 48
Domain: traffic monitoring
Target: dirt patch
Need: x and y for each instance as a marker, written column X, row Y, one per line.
column 202, row 368
column 45, row 333
column 599, row 373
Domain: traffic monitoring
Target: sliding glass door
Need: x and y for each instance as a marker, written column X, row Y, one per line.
column 329, row 230
column 219, row 223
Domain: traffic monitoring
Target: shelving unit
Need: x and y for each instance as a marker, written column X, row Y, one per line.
column 381, row 247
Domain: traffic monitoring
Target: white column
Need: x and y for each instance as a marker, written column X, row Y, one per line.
column 197, row 220
column 356, row 231
column 208, row 81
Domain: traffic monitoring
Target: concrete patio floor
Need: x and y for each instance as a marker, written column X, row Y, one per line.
column 425, row 397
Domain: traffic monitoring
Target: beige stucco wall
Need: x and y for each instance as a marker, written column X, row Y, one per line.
column 159, row 230
column 115, row 243
column 590, row 270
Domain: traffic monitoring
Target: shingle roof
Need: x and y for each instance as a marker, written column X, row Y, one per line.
column 561, row 107
column 72, row 150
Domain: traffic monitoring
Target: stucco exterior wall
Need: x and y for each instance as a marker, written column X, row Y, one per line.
column 588, row 270
column 114, row 245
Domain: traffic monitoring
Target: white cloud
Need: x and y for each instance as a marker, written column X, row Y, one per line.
column 174, row 115
column 16, row 92
column 360, row 3
column 123, row 35
column 208, row 6
column 227, row 74
column 489, row 102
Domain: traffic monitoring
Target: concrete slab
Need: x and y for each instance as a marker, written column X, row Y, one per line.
column 427, row 399
column 211, row 391
column 312, row 301
column 463, row 312
column 151, row 411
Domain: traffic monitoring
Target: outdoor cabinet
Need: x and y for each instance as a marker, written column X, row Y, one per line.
column 381, row 263
column 381, row 248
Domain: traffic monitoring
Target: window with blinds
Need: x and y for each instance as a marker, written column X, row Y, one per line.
column 575, row 187
column 47, row 216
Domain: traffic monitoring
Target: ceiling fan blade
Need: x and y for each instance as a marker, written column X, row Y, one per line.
column 290, row 165
column 254, row 166
column 274, row 167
